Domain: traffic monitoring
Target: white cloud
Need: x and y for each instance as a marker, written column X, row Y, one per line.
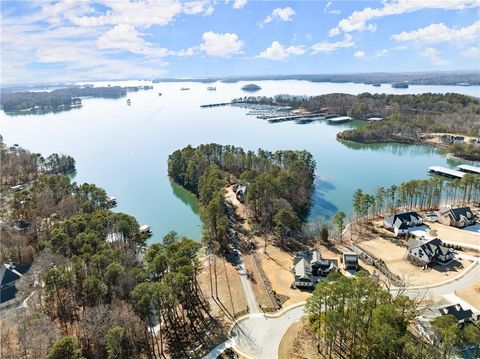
column 433, row 55
column 197, row 7
column 278, row 52
column 126, row 38
column 358, row 20
column 238, row 4
column 381, row 53
column 436, row 33
column 472, row 52
column 359, row 54
column 327, row 9
column 223, row 45
column 283, row 14
column 325, row 46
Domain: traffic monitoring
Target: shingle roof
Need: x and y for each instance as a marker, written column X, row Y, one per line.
column 457, row 311
column 8, row 274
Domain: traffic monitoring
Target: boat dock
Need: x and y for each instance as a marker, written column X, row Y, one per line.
column 217, row 104
column 447, row 172
column 337, row 120
column 295, row 117
column 469, row 169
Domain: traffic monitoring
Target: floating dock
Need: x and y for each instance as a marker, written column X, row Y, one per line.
column 469, row 169
column 337, row 120
column 217, row 104
column 447, row 172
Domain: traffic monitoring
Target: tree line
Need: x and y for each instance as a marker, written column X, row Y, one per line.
column 18, row 165
column 428, row 194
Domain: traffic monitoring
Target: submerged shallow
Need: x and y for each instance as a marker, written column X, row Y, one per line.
column 124, row 149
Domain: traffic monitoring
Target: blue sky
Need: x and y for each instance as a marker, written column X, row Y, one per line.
column 47, row 41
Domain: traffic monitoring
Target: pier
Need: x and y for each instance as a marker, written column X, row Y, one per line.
column 217, row 104
column 310, row 116
column 469, row 169
column 447, row 172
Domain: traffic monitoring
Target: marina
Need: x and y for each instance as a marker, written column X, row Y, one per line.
column 446, row 172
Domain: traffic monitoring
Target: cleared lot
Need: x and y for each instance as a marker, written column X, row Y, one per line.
column 457, row 235
column 395, row 258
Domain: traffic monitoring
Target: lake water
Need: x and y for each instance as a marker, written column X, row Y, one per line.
column 124, row 149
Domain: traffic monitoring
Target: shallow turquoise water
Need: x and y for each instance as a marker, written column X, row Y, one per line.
column 124, row 149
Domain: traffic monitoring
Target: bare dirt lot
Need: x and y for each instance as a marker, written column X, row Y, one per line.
column 262, row 295
column 231, row 298
column 471, row 295
column 394, row 257
column 455, row 235
column 298, row 343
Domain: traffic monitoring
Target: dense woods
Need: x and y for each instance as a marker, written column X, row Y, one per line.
column 279, row 185
column 357, row 318
column 93, row 290
column 18, row 165
column 428, row 194
column 62, row 99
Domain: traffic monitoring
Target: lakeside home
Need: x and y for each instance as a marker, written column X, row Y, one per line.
column 401, row 222
column 457, row 217
column 426, row 252
column 309, row 266
column 350, row 261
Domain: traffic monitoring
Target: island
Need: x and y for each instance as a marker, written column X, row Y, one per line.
column 251, row 88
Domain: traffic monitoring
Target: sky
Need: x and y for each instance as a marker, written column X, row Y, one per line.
column 66, row 41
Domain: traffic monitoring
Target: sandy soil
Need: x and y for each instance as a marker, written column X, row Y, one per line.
column 277, row 264
column 471, row 295
column 455, row 235
column 395, row 258
column 285, row 348
column 232, row 301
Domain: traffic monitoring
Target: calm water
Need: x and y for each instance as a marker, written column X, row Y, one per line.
column 124, row 149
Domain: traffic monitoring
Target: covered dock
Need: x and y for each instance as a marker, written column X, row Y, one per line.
column 447, row 172
column 337, row 120
column 469, row 169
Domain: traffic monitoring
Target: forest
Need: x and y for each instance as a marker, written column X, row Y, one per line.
column 279, row 185
column 18, row 165
column 357, row 318
column 428, row 194
column 94, row 290
column 39, row 102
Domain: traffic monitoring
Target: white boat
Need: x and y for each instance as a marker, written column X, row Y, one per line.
column 185, row 88
column 211, row 88
column 146, row 230
column 129, row 102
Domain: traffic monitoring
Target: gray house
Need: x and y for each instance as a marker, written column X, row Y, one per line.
column 427, row 252
column 309, row 266
column 400, row 222
column 457, row 217
column 350, row 261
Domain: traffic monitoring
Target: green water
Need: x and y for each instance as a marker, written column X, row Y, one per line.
column 124, row 149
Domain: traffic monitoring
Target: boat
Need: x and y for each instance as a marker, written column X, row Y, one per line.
column 159, row 94
column 185, row 88
column 129, row 102
column 400, row 85
column 338, row 120
column 211, row 88
column 112, row 201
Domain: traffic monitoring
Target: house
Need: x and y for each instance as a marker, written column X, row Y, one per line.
column 400, row 222
column 457, row 217
column 309, row 266
column 9, row 274
column 449, row 139
column 425, row 252
column 350, row 261
column 461, row 315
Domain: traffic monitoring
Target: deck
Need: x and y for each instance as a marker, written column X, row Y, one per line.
column 447, row 172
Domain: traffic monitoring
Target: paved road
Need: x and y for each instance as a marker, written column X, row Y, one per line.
column 247, row 288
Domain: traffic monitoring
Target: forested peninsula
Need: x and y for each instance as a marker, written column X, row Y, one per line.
column 278, row 185
column 424, row 118
column 63, row 99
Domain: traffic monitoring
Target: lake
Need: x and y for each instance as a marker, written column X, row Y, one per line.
column 124, row 149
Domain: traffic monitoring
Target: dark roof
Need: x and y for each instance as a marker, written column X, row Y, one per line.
column 457, row 311
column 7, row 293
column 430, row 248
column 350, row 258
column 457, row 213
column 402, row 217
column 23, row 268
column 8, row 274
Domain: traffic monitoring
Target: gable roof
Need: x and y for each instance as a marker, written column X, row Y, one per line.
column 302, row 269
column 8, row 274
column 401, row 218
column 429, row 248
